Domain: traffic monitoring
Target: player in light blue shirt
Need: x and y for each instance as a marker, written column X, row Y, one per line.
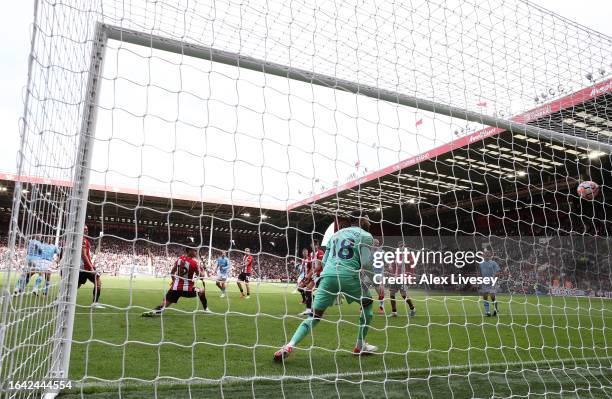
column 488, row 268
column 33, row 253
column 48, row 255
column 223, row 270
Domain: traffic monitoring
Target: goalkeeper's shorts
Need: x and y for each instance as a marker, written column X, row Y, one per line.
column 331, row 286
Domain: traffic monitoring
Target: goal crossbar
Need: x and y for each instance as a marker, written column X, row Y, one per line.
column 267, row 67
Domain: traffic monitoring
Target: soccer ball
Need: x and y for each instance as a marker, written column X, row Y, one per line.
column 588, row 190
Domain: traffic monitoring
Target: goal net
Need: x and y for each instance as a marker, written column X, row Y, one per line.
column 472, row 140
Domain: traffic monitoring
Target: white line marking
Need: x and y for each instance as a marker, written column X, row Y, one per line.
column 503, row 318
column 340, row 376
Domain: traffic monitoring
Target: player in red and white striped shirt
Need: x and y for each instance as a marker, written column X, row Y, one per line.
column 306, row 284
column 88, row 270
column 247, row 269
column 311, row 280
column 184, row 274
column 317, row 261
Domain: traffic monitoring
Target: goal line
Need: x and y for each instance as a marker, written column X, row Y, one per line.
column 342, row 376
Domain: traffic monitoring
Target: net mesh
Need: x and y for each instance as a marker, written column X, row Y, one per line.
column 178, row 150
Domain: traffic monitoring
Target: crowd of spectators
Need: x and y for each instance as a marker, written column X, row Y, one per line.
column 529, row 264
column 113, row 255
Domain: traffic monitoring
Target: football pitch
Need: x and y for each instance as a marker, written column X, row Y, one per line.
column 537, row 346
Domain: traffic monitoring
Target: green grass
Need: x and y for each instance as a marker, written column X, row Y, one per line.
column 558, row 347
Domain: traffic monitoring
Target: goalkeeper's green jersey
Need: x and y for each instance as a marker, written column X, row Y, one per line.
column 348, row 251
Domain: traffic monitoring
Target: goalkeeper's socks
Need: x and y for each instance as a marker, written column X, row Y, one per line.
column 46, row 290
column 365, row 318
column 303, row 329
column 486, row 306
column 495, row 305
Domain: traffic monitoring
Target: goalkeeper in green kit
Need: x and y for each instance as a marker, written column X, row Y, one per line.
column 348, row 251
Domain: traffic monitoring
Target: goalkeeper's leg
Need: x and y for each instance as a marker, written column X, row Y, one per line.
column 306, row 326
column 300, row 333
column 326, row 294
column 365, row 318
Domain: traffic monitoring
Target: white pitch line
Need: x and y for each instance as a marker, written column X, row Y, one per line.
column 340, row 376
column 504, row 316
